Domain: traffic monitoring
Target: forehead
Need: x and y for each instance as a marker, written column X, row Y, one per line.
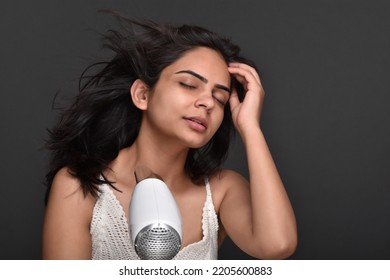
column 204, row 61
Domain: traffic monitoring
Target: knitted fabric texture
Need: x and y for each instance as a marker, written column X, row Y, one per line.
column 111, row 238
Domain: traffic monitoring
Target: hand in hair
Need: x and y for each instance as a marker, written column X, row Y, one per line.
column 246, row 114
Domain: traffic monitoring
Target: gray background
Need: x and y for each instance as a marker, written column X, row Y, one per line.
column 325, row 68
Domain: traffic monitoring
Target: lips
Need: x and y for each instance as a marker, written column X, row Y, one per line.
column 197, row 123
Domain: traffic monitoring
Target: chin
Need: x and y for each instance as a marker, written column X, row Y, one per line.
column 196, row 145
column 195, row 141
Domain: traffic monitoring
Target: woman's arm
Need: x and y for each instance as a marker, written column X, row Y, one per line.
column 67, row 219
column 257, row 216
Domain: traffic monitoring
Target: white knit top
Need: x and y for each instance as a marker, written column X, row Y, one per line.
column 111, row 239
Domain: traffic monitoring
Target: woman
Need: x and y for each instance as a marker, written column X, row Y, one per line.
column 168, row 100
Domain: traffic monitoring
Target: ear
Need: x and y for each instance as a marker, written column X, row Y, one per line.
column 139, row 92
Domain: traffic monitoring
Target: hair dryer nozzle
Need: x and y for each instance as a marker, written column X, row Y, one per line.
column 155, row 222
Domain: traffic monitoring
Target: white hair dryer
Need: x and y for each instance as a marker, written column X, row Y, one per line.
column 154, row 218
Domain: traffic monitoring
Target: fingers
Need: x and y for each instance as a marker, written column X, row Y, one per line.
column 249, row 109
column 246, row 75
column 247, row 68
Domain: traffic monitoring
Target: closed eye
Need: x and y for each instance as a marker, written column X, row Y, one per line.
column 220, row 101
column 187, row 85
column 220, row 97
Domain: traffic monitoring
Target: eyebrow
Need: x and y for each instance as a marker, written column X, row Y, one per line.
column 203, row 79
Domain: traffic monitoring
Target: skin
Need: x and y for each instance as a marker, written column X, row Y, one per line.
column 257, row 215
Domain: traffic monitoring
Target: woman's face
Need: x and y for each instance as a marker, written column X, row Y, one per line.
column 187, row 103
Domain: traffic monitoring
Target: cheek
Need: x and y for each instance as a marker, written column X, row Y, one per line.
column 166, row 106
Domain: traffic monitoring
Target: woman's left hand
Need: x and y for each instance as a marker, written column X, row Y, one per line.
column 264, row 208
column 246, row 114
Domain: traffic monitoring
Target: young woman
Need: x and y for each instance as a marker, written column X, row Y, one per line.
column 169, row 99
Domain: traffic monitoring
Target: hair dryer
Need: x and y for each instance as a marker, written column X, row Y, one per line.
column 154, row 219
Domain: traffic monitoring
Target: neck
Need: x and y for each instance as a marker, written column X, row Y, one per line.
column 164, row 158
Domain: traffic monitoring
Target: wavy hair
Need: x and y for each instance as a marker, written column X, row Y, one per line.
column 102, row 119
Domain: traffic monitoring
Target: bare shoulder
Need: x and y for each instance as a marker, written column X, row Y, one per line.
column 64, row 183
column 66, row 189
column 67, row 219
column 228, row 178
column 227, row 181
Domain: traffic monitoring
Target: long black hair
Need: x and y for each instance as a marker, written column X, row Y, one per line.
column 102, row 120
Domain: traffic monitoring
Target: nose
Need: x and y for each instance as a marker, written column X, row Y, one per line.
column 205, row 101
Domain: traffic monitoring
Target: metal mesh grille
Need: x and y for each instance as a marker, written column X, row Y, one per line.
column 157, row 242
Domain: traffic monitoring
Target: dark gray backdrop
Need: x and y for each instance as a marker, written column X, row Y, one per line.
column 325, row 68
